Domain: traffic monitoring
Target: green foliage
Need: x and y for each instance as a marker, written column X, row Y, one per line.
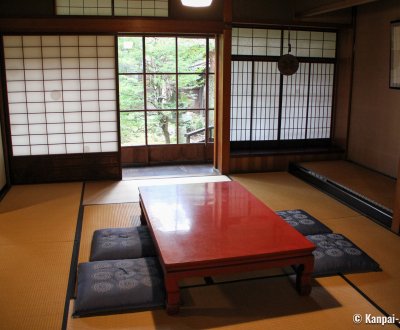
column 161, row 87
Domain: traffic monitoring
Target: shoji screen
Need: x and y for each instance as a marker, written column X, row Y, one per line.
column 61, row 94
column 151, row 8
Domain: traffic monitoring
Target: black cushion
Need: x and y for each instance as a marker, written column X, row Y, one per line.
column 304, row 222
column 116, row 286
column 336, row 254
column 121, row 243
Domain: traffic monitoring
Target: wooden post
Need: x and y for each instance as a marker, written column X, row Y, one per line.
column 396, row 209
column 222, row 134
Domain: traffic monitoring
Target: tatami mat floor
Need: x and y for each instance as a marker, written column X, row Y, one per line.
column 37, row 228
column 37, row 231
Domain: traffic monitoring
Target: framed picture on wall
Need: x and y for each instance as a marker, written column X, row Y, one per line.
column 395, row 55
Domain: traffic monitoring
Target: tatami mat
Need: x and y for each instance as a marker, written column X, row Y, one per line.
column 105, row 216
column 37, row 231
column 255, row 304
column 371, row 184
column 34, row 279
column 282, row 191
column 39, row 213
column 378, row 242
column 382, row 245
column 108, row 192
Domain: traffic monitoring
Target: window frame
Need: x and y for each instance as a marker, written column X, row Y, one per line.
column 177, row 110
column 281, row 143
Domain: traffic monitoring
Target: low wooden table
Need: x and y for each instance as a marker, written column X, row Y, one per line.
column 207, row 229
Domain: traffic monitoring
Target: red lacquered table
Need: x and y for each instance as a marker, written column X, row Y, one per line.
column 207, row 229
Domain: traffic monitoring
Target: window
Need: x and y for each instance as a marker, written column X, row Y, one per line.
column 155, row 8
column 166, row 90
column 61, row 94
column 272, row 110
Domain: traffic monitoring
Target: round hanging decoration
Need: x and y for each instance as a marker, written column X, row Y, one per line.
column 288, row 64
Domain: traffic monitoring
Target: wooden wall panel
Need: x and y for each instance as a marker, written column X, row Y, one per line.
column 375, row 117
column 166, row 154
column 396, row 209
column 343, row 87
column 106, row 25
column 59, row 168
column 276, row 162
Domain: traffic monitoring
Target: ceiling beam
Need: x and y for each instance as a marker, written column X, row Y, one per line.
column 106, row 25
column 331, row 7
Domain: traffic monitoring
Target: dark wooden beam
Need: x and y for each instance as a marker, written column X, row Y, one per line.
column 106, row 25
column 396, row 209
column 222, row 134
column 333, row 6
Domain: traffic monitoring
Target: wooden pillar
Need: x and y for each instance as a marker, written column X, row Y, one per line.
column 396, row 209
column 222, row 149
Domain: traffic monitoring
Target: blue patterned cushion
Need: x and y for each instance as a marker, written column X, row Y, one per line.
column 116, row 286
column 303, row 222
column 336, row 254
column 122, row 243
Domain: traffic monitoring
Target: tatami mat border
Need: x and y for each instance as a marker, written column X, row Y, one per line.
column 74, row 260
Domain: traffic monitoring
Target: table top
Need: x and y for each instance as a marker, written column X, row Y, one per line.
column 214, row 222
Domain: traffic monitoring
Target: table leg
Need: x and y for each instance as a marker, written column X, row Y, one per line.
column 173, row 295
column 143, row 221
column 304, row 275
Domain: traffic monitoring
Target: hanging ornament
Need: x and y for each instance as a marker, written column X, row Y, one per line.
column 288, row 64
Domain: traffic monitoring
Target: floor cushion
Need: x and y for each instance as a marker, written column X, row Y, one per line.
column 303, row 222
column 122, row 243
column 336, row 254
column 115, row 286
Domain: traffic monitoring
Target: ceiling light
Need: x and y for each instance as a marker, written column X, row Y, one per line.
column 196, row 3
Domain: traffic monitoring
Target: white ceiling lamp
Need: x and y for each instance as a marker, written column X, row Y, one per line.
column 196, row 3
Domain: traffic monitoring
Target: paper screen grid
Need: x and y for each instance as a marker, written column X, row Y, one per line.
column 151, row 8
column 267, row 42
column 61, row 94
column 158, row 8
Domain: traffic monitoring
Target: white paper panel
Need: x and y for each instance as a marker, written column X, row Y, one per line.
column 109, row 146
column 73, row 127
column 16, row 86
column 74, row 138
column 19, row 130
column 73, row 117
column 17, row 108
column 38, row 139
column 56, row 138
column 55, row 149
column 32, row 86
column 109, row 126
column 54, row 83
column 90, row 106
column 55, row 128
column 91, row 137
column 21, row 151
column 38, row 129
column 108, row 106
column 22, row 140
column 36, row 107
column 39, row 150
column 74, row 148
column 109, row 137
column 91, row 127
